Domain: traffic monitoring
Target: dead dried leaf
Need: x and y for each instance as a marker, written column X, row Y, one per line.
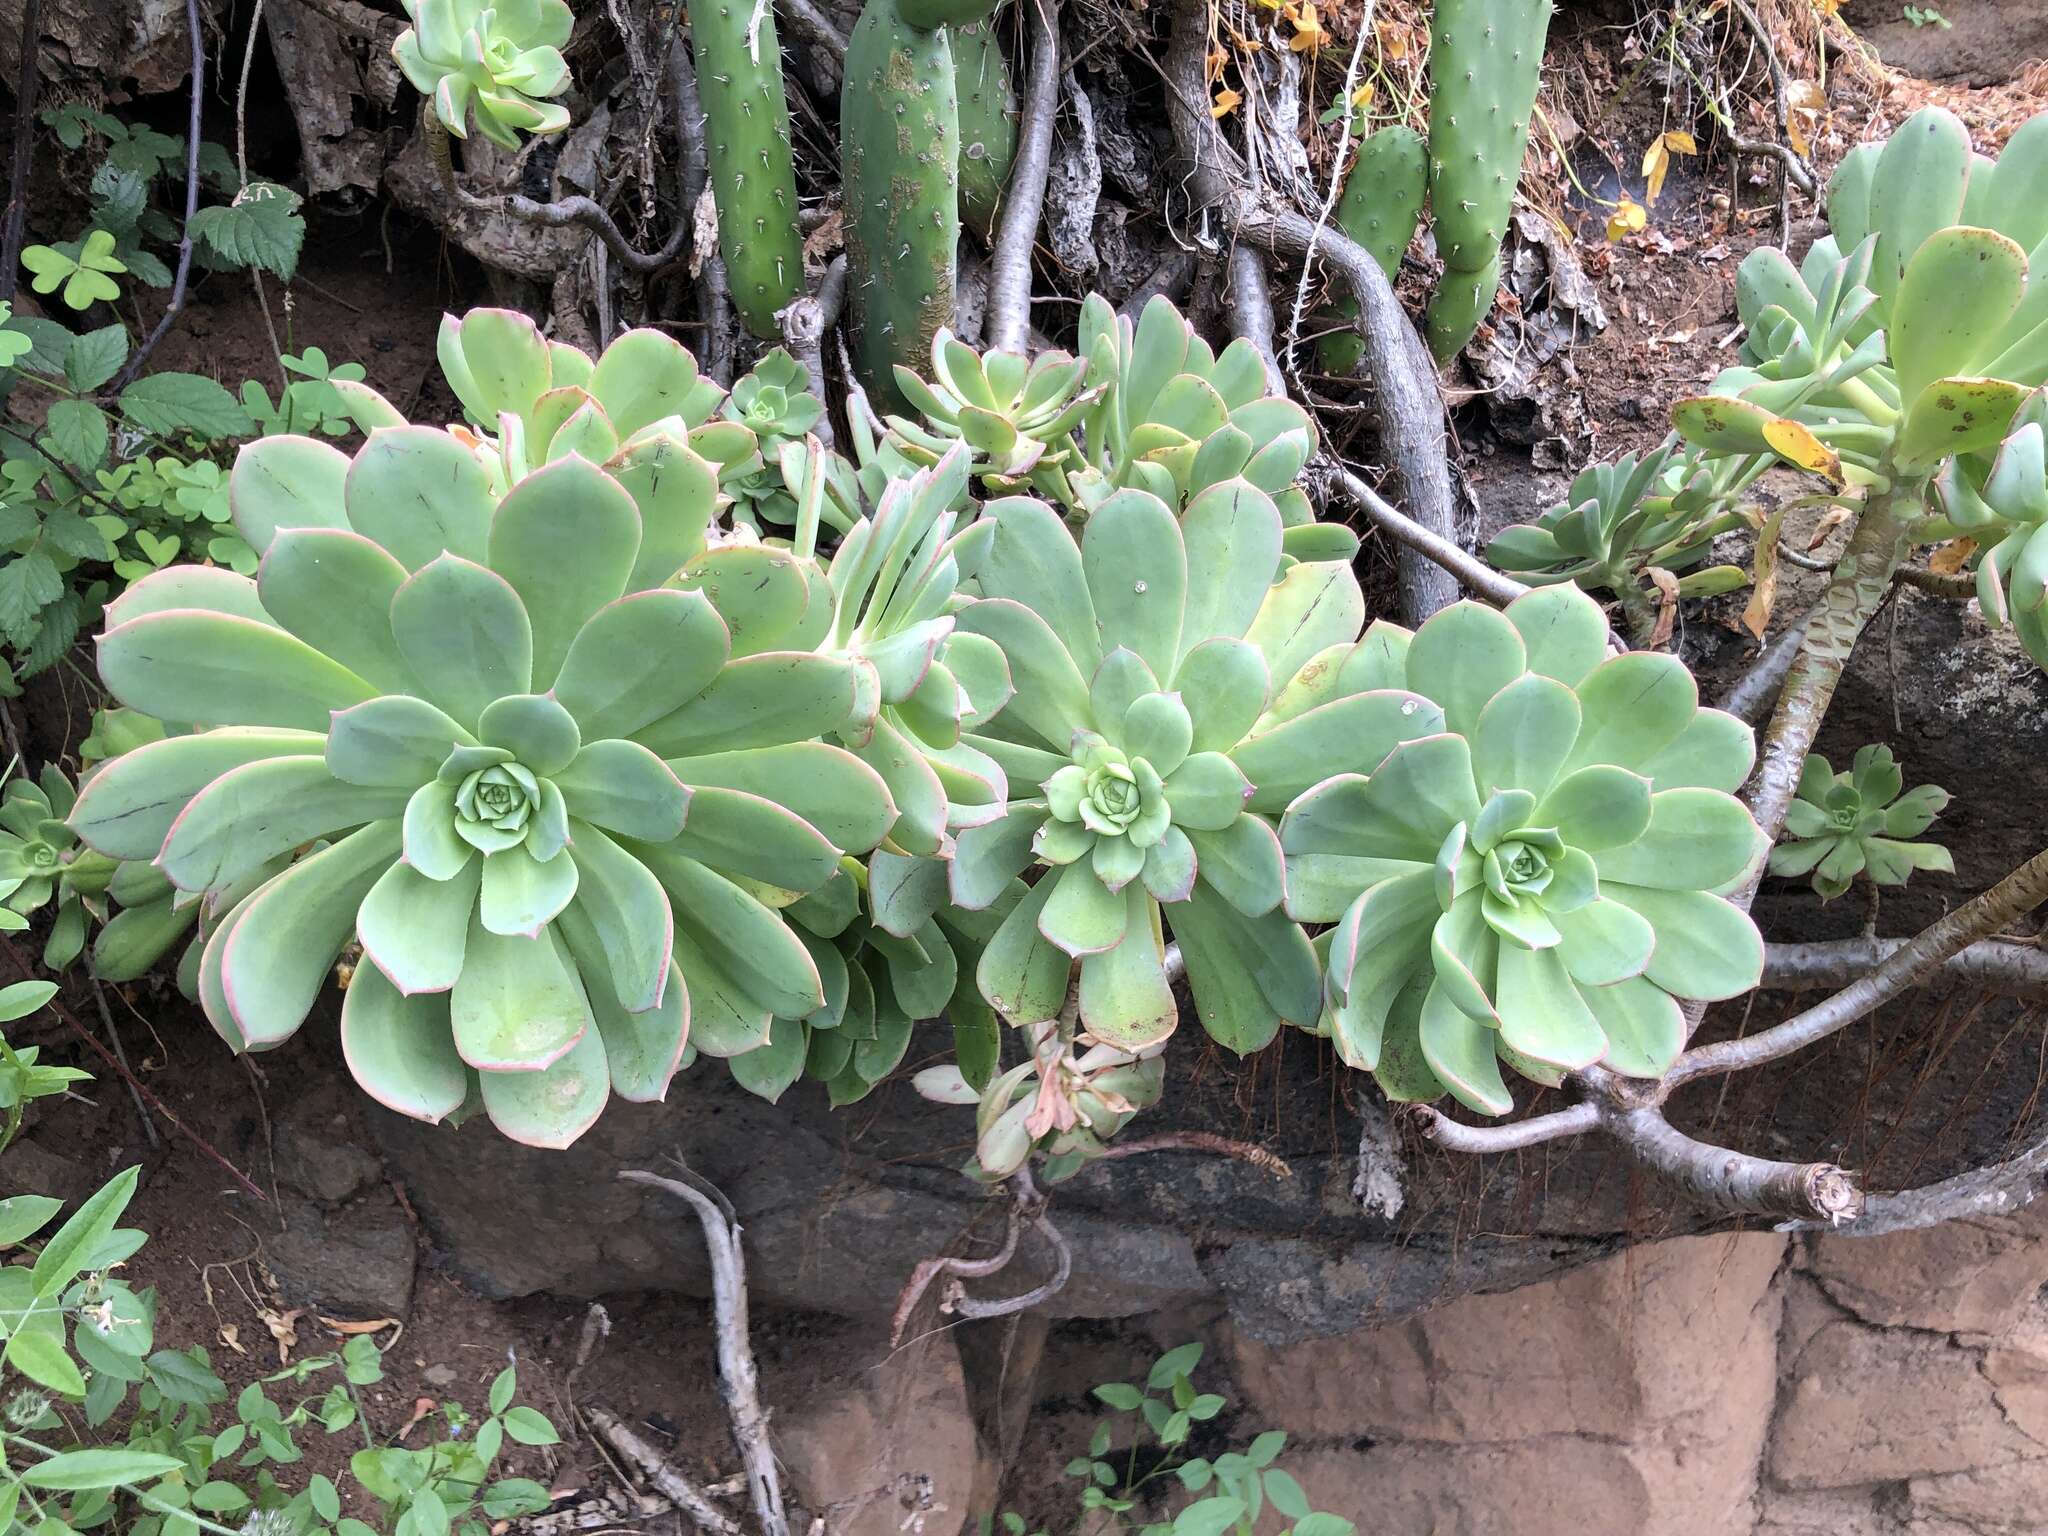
column 284, row 1329
column 1763, row 591
column 1830, row 520
column 345, row 1327
column 1226, row 101
column 1951, row 557
column 1309, row 35
column 1806, row 104
column 421, row 1407
column 1628, row 218
column 231, row 1335
column 1657, row 159
column 1667, row 604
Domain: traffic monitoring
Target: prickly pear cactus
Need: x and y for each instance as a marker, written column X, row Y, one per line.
column 1484, row 59
column 988, row 122
column 899, row 125
column 746, row 146
column 1381, row 206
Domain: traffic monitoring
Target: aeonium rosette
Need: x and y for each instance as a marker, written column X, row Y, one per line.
column 557, row 796
column 1537, row 880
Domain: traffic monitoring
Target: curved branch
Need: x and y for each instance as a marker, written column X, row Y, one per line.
column 1007, row 324
column 1734, row 1181
column 1456, row 1136
column 1753, row 693
column 1997, row 966
column 1906, row 967
column 1405, row 530
column 1411, row 413
column 580, row 211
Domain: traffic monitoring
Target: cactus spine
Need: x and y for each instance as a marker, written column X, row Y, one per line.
column 899, row 128
column 1484, row 60
column 988, row 122
column 747, row 154
column 1381, row 206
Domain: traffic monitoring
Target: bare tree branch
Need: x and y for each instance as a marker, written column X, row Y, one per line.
column 1475, row 573
column 1998, row 1190
column 1456, row 1136
column 1251, row 310
column 808, row 20
column 1905, row 967
column 2006, row 969
column 1027, row 1209
column 1734, row 1181
column 1006, row 325
column 737, row 1380
column 1753, row 693
column 662, row 1475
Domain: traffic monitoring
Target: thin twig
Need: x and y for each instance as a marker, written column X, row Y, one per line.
column 99, row 997
column 661, row 1474
column 1397, row 525
column 1026, row 1209
column 28, row 88
column 1797, row 170
column 92, row 1042
column 738, row 1381
column 242, row 94
column 1006, row 325
column 1904, row 968
column 140, row 355
column 1200, row 1141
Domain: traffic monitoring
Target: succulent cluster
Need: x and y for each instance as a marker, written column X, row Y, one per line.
column 601, row 779
column 500, row 61
column 1858, row 823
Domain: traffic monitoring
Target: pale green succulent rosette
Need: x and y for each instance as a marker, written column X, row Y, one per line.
column 1175, row 418
column 502, row 60
column 42, row 862
column 1017, row 413
column 1173, row 692
column 1843, row 825
column 463, row 704
column 1535, row 881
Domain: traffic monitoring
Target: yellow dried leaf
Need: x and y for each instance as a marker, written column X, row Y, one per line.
column 1628, row 218
column 1763, row 592
column 1226, row 101
column 1393, row 40
column 1309, row 35
column 1806, row 102
column 1363, row 96
column 1657, row 159
column 1212, row 66
column 1951, row 557
column 1793, row 442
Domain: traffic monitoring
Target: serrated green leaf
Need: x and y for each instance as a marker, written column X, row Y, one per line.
column 262, row 228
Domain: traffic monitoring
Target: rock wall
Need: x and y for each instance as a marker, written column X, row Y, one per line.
column 1735, row 1384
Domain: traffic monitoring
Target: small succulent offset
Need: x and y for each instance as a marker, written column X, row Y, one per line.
column 1857, row 823
column 1018, row 414
column 1173, row 694
column 1066, row 1102
column 42, row 861
column 1663, row 510
column 503, row 59
column 775, row 403
column 528, row 739
column 1534, row 881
